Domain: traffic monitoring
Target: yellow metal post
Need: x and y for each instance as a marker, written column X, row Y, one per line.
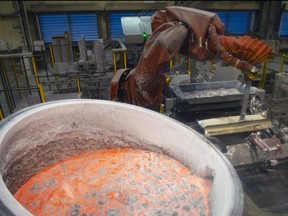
column 263, row 75
column 211, row 65
column 1, row 113
column 15, row 75
column 35, row 70
column 171, row 63
column 42, row 97
column 282, row 63
column 114, row 62
column 168, row 80
column 161, row 108
column 189, row 67
column 125, row 60
column 53, row 62
column 78, row 85
column 51, row 55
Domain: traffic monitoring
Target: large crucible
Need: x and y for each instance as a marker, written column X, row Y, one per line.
column 39, row 136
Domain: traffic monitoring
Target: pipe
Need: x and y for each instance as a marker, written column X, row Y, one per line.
column 27, row 54
column 27, row 24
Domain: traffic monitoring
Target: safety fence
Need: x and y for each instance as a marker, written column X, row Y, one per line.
column 20, row 77
column 30, row 75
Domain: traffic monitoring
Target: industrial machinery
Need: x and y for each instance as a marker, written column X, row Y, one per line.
column 177, row 30
column 250, row 142
column 136, row 30
column 90, row 69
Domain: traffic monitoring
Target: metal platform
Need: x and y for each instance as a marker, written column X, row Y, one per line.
column 231, row 124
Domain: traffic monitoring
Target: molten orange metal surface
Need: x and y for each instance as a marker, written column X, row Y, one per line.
column 116, row 182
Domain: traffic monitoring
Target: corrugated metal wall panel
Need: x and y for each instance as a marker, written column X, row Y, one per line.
column 239, row 22
column 78, row 24
column 84, row 24
column 284, row 25
column 115, row 22
column 223, row 17
column 53, row 24
column 236, row 22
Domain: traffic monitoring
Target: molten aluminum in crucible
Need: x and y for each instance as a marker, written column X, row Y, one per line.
column 116, row 182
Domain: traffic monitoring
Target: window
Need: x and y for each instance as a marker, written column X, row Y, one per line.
column 284, row 25
column 236, row 22
column 76, row 24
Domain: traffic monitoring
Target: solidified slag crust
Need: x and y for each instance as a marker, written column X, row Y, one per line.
column 116, row 182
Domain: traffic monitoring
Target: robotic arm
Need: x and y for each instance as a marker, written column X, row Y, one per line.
column 191, row 32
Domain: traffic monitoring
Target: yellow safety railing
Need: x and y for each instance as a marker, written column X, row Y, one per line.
column 115, row 60
column 122, row 50
column 40, row 88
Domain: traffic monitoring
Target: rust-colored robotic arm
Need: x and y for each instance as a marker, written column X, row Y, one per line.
column 191, row 32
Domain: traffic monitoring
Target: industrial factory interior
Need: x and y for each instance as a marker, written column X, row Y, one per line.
column 144, row 108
